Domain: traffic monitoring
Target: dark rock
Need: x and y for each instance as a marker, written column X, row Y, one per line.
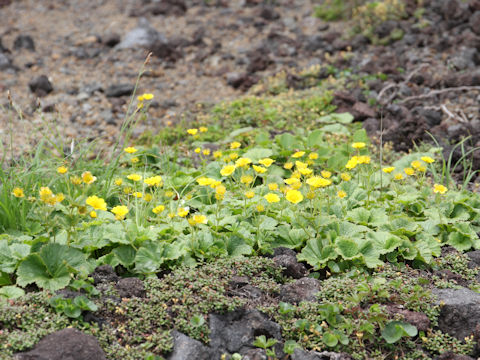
column 24, row 42
column 119, row 90
column 41, row 86
column 111, row 40
column 48, row 107
column 66, row 344
column 460, row 311
column 359, row 42
column 474, row 258
column 236, row 331
column 299, row 354
column 291, row 266
column 450, row 355
column 432, row 117
column 385, row 28
column 417, row 319
column 5, row 62
column 254, row 354
column 236, row 282
column 314, row 43
column 371, row 126
column 470, row 78
column 455, row 10
column 361, row 111
column 130, row 287
column 475, row 22
column 268, row 13
column 283, row 251
column 303, row 289
column 259, row 61
column 241, row 81
column 186, row 348
column 166, row 50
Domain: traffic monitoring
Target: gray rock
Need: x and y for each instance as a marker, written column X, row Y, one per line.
column 65, row 344
column 142, row 36
column 24, row 42
column 119, row 90
column 5, row 62
column 300, row 354
column 41, row 86
column 475, row 22
column 104, row 274
column 236, row 331
column 291, row 267
column 460, row 312
column 303, row 289
column 130, row 287
column 186, row 348
column 474, row 258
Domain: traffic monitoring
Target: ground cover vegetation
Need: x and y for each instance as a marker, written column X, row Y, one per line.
column 189, row 208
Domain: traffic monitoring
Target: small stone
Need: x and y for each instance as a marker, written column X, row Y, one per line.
column 130, row 287
column 304, row 289
column 186, row 348
column 119, row 90
column 292, row 267
column 104, row 274
column 475, row 22
column 41, row 86
column 24, row 42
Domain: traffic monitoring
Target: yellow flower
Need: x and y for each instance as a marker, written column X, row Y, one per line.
column 93, row 214
column 288, row 165
column 296, row 174
column 233, row 156
column 62, row 169
column 249, row 194
column 227, row 170
column 45, row 193
column 352, row 163
column 18, row 192
column 134, row 177
column 206, row 152
column 59, row 197
column 118, row 181
column 439, row 189
column 260, row 208
column 148, row 197
column 140, row 99
column 358, row 145
column 310, row 195
column 171, row 215
column 182, row 212
column 259, row 169
column 298, row 154
column 134, row 160
column 198, row 150
column 147, row 96
column 346, row 176
column 272, row 198
column 291, row 181
column 127, row 190
column 158, row 209
column 416, row 164
column 96, row 202
column 130, row 150
column 313, row 156
column 409, row 171
column 217, row 154
column 427, row 159
column 220, row 190
column 326, row 174
column 153, row 181
column 246, row 179
column 169, row 193
column 266, row 162
column 364, row 159
column 294, row 196
column 317, row 181
column 215, row 183
column 388, row 170
column 305, row 171
column 88, row 178
column 192, row 131
column 273, row 186
column 203, row 129
column 200, row 219
column 235, row 145
column 205, row 181
column 137, row 194
column 120, row 211
column 76, row 180
column 421, row 169
column 243, row 162
column 300, row 165
column 341, row 194
column 398, row 176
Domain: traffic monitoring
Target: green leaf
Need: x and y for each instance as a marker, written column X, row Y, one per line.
column 315, row 138
column 317, row 255
column 459, row 241
column 236, row 246
column 52, row 267
column 287, row 141
column 329, row 339
column 11, row 292
column 336, row 129
column 197, row 320
column 395, row 330
column 125, row 255
column 290, row 346
column 258, row 153
column 347, row 248
column 385, row 242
